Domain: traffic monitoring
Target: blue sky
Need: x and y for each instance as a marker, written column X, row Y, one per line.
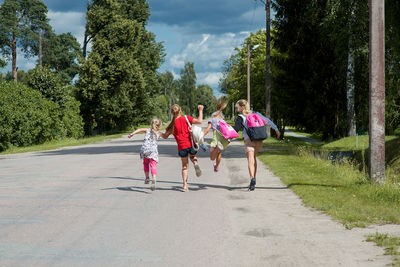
column 202, row 31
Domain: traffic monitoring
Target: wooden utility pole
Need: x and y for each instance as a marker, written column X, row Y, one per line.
column 377, row 91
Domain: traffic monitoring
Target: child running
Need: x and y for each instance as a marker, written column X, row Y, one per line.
column 179, row 128
column 149, row 150
column 218, row 142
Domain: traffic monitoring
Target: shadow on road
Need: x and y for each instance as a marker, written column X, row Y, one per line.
column 166, row 148
column 192, row 186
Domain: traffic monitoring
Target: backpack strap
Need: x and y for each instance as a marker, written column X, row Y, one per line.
column 190, row 126
column 191, row 133
column 244, row 121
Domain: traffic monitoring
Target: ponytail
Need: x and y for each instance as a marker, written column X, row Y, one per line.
column 221, row 105
column 175, row 110
column 155, row 125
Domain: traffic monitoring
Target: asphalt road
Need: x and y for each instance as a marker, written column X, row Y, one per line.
column 88, row 206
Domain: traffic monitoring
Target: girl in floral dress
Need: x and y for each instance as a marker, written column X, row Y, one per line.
column 149, row 150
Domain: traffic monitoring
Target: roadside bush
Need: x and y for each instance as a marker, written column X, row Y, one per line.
column 51, row 86
column 27, row 118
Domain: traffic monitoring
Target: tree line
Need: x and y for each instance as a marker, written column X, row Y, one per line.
column 111, row 83
column 319, row 65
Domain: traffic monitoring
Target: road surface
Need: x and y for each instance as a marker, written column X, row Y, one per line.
column 88, row 206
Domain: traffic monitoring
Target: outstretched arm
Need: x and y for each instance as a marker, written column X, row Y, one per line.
column 166, row 134
column 141, row 130
column 207, row 129
column 200, row 119
column 271, row 124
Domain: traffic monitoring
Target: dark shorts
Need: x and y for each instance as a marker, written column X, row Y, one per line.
column 185, row 152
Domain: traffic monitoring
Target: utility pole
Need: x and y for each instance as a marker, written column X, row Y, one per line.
column 248, row 73
column 377, row 91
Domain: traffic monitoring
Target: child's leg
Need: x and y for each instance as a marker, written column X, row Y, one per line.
column 214, row 153
column 185, row 167
column 218, row 158
column 193, row 159
column 146, row 168
column 153, row 167
column 195, row 162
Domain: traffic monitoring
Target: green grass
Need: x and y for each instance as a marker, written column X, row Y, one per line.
column 390, row 243
column 340, row 191
column 55, row 144
column 352, row 143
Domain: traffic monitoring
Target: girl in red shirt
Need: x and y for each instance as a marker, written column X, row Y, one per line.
column 179, row 128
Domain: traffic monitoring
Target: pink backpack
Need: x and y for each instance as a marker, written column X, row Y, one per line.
column 226, row 130
column 254, row 120
column 255, row 126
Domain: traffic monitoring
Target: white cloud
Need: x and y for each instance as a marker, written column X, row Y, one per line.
column 64, row 22
column 207, row 51
column 210, row 78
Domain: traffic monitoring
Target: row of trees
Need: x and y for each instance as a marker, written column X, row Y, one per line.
column 319, row 66
column 118, row 85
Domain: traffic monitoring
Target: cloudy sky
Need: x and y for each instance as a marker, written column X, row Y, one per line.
column 202, row 31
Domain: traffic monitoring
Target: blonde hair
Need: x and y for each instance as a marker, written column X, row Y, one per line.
column 155, row 125
column 221, row 105
column 245, row 105
column 175, row 111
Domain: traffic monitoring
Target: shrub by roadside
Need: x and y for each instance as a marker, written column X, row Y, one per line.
column 27, row 118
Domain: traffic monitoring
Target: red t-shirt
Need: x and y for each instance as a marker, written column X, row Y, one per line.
column 181, row 132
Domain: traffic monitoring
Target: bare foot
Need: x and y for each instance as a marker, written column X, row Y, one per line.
column 185, row 188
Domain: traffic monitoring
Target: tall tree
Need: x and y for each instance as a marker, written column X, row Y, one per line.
column 188, row 88
column 111, row 80
column 20, row 23
column 60, row 53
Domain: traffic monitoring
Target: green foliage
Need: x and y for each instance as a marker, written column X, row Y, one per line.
column 390, row 243
column 20, row 23
column 26, row 117
column 47, row 83
column 311, row 43
column 50, row 86
column 204, row 95
column 111, row 86
column 60, row 53
column 188, row 88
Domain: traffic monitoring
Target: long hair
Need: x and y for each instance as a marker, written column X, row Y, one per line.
column 245, row 105
column 221, row 105
column 156, row 125
column 175, row 110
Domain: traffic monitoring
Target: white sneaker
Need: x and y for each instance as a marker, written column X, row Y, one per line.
column 153, row 185
column 198, row 171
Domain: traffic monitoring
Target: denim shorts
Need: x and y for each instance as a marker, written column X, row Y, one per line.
column 185, row 152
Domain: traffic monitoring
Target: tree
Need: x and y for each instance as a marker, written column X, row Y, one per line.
column 205, row 96
column 188, row 88
column 111, row 85
column 20, row 23
column 60, row 53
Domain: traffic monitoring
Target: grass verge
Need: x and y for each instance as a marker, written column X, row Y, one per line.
column 391, row 245
column 341, row 191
